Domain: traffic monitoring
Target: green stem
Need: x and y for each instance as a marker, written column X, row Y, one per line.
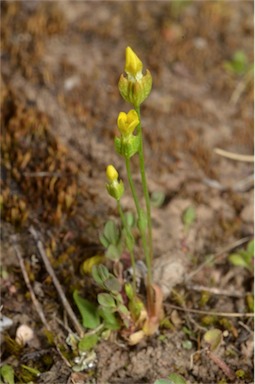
column 130, row 248
column 146, row 195
column 143, row 234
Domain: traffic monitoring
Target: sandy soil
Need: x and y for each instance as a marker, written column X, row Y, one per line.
column 61, row 62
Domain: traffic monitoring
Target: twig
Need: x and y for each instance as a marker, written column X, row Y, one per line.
column 214, row 290
column 245, row 326
column 234, row 156
column 58, row 287
column 200, row 312
column 244, row 184
column 36, row 303
column 214, row 257
column 42, row 174
column 222, row 365
column 240, row 186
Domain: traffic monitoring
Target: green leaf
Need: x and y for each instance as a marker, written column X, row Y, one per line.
column 130, row 219
column 88, row 311
column 129, row 291
column 106, row 300
column 103, row 240
column 187, row 344
column 250, row 248
column 189, row 216
column 113, row 253
column 87, row 342
column 237, row 260
column 100, row 273
column 157, row 198
column 111, row 232
column 34, row 371
column 123, row 309
column 250, row 302
column 110, row 320
column 142, row 221
column 176, row 379
column 7, row 373
column 162, row 381
column 112, row 284
column 130, row 241
column 213, row 337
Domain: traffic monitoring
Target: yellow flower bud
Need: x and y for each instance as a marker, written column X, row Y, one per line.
column 111, row 173
column 115, row 188
column 133, row 66
column 127, row 122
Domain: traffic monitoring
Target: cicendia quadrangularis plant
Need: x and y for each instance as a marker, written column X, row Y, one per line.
column 121, row 297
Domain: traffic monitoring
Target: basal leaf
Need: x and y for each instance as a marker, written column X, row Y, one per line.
column 110, row 320
column 112, row 284
column 106, row 300
column 103, row 240
column 176, row 379
column 88, row 311
column 111, row 232
column 100, row 273
column 113, row 253
column 87, row 342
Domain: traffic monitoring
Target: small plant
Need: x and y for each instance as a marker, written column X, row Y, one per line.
column 239, row 64
column 244, row 257
column 173, row 378
column 120, row 304
column 240, row 67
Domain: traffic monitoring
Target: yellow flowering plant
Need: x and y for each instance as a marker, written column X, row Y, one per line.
column 120, row 305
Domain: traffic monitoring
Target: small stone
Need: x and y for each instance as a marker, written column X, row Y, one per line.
column 24, row 334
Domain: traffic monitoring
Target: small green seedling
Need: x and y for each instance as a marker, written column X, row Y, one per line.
column 239, row 64
column 189, row 217
column 244, row 257
column 173, row 378
column 7, row 374
column 158, row 199
column 213, row 338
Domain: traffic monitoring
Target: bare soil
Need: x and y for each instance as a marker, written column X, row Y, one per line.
column 61, row 62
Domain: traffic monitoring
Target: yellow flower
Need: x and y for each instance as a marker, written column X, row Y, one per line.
column 111, row 173
column 127, row 122
column 133, row 66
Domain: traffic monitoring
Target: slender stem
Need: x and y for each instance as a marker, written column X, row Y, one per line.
column 132, row 186
column 143, row 235
column 146, row 195
column 130, row 248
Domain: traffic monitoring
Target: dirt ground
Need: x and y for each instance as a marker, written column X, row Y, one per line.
column 61, row 62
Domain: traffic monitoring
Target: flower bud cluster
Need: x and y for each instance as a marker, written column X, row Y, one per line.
column 134, row 87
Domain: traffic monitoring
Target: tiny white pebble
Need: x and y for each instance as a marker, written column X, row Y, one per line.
column 24, row 334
